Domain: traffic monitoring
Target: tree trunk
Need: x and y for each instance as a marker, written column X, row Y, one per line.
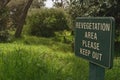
column 22, row 18
column 3, row 3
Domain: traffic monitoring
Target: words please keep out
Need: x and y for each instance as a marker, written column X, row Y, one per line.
column 90, row 45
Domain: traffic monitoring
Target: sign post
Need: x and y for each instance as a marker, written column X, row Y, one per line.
column 96, row 72
column 94, row 41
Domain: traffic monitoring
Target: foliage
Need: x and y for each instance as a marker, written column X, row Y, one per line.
column 19, row 14
column 113, row 73
column 15, row 7
column 3, row 3
column 39, row 62
column 58, row 3
column 49, row 42
column 91, row 8
column 98, row 8
column 4, row 35
column 38, row 3
column 3, row 18
column 45, row 22
column 19, row 61
column 64, row 36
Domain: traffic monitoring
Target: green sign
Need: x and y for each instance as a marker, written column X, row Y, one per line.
column 94, row 40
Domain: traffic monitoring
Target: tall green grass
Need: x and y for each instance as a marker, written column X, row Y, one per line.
column 23, row 62
column 45, row 60
column 114, row 73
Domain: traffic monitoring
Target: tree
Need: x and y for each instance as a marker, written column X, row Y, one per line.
column 59, row 3
column 3, row 3
column 18, row 12
column 38, row 3
column 3, row 19
column 94, row 8
column 22, row 18
column 3, row 14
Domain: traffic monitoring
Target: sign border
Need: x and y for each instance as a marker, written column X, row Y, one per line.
column 112, row 34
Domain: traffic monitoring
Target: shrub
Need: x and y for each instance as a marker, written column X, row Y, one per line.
column 46, row 22
column 3, row 18
column 4, row 36
column 64, row 36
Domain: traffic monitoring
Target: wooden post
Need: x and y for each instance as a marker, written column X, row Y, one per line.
column 96, row 72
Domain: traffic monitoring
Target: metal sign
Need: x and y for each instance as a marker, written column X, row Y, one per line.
column 94, row 40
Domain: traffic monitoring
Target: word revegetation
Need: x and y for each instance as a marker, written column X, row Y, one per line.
column 93, row 26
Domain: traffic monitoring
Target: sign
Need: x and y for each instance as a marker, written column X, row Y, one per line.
column 94, row 40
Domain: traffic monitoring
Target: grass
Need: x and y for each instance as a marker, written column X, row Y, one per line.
column 43, row 59
column 113, row 74
column 23, row 62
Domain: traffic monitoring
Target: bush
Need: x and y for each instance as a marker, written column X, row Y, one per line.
column 46, row 22
column 63, row 36
column 4, row 36
column 3, row 18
